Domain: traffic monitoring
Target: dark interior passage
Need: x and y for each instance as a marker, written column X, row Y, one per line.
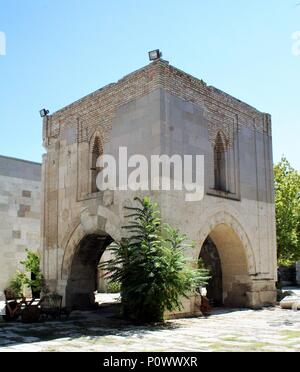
column 82, row 281
column 210, row 256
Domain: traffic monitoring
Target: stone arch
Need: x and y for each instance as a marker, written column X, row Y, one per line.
column 82, row 279
column 236, row 256
column 110, row 225
column 218, row 217
column 221, row 139
column 74, row 237
column 84, row 244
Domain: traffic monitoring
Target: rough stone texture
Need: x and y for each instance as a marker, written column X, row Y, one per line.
column 290, row 302
column 162, row 110
column 26, row 194
column 20, row 194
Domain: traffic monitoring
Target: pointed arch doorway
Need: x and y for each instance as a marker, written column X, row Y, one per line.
column 224, row 254
column 83, row 277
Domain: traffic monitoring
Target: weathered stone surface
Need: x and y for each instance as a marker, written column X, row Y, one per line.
column 290, row 302
column 26, row 193
column 19, row 222
column 16, row 234
column 153, row 111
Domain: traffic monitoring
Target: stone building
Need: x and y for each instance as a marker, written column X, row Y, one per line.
column 20, row 195
column 160, row 109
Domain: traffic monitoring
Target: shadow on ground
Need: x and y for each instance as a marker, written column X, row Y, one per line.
column 105, row 321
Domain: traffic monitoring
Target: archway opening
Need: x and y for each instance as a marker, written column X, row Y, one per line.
column 83, row 281
column 210, row 257
column 224, row 254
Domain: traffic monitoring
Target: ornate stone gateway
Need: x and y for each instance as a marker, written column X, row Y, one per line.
column 163, row 111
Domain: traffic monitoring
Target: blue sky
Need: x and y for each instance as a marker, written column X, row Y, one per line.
column 58, row 51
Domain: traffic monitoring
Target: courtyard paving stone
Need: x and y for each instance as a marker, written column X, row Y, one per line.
column 271, row 329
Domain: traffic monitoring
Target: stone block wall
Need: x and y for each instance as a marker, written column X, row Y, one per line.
column 153, row 111
column 20, row 195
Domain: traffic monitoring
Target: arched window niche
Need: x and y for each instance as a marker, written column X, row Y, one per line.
column 220, row 163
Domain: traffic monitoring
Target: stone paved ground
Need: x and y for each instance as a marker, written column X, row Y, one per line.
column 270, row 329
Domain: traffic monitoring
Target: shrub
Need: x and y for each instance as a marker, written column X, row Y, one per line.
column 151, row 266
column 35, row 278
column 31, row 277
column 113, row 287
column 17, row 283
